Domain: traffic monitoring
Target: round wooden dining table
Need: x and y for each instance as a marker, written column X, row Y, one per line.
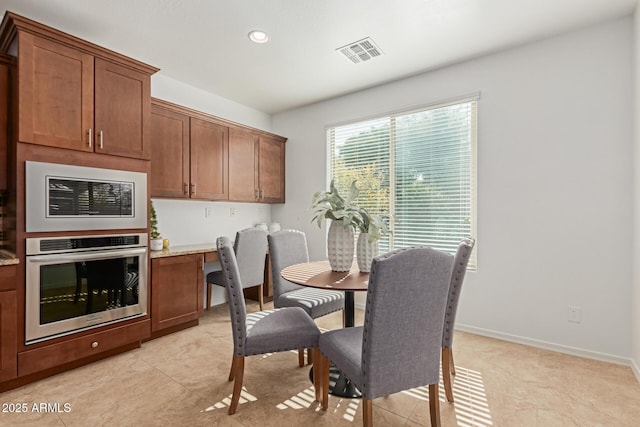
column 319, row 275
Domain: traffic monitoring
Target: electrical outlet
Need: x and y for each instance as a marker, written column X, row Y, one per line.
column 208, row 212
column 574, row 314
column 232, row 211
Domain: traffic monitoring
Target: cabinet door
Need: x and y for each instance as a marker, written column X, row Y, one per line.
column 56, row 94
column 243, row 167
column 8, row 343
column 4, row 118
column 271, row 170
column 169, row 146
column 122, row 110
column 209, row 160
column 177, row 290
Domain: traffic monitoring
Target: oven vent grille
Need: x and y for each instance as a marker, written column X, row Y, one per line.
column 361, row 50
column 55, row 245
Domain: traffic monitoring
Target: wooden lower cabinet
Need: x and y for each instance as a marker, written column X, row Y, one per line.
column 177, row 290
column 8, row 322
column 74, row 349
column 8, row 337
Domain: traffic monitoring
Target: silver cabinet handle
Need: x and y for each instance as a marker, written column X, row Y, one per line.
column 101, row 141
column 90, row 142
column 186, row 188
column 193, row 189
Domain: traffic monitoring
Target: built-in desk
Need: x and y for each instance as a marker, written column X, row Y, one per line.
column 208, row 249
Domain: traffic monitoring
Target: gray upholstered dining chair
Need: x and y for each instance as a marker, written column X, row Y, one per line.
column 460, row 262
column 289, row 247
column 250, row 248
column 260, row 332
column 398, row 347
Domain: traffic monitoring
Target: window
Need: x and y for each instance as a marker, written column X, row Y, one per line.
column 416, row 167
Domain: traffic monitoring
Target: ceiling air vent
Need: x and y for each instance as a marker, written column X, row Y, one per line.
column 362, row 50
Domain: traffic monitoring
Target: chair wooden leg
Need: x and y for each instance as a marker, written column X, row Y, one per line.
column 367, row 412
column 317, row 374
column 260, row 296
column 232, row 370
column 238, row 363
column 208, row 296
column 446, row 373
column 452, row 366
column 324, row 365
column 434, row 405
column 301, row 357
column 310, row 356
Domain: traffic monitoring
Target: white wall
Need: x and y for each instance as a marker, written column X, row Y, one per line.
column 554, row 184
column 175, row 91
column 184, row 221
column 635, row 296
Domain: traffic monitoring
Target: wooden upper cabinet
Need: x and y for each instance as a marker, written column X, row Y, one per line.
column 243, row 165
column 4, row 119
column 169, row 153
column 55, row 94
column 189, row 155
column 271, row 170
column 209, row 160
column 256, row 167
column 122, row 108
column 76, row 95
column 215, row 160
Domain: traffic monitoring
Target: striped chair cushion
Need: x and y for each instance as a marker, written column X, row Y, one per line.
column 316, row 302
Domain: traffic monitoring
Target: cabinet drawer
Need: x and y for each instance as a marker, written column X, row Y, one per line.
column 42, row 358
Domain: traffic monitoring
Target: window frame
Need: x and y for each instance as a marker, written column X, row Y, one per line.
column 392, row 117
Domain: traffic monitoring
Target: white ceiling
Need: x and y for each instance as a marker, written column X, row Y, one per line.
column 204, row 42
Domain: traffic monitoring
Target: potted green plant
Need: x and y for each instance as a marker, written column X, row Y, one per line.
column 345, row 217
column 154, row 234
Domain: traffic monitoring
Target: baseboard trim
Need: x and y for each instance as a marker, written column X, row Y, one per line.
column 635, row 369
column 574, row 351
column 545, row 345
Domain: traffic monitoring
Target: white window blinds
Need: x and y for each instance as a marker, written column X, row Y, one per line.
column 416, row 167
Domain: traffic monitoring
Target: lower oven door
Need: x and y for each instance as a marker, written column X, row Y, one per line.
column 70, row 292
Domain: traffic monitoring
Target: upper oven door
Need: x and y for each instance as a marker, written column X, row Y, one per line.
column 64, row 198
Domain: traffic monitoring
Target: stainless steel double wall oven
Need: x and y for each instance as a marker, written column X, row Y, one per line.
column 83, row 280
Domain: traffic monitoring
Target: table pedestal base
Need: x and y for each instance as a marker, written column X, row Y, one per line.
column 339, row 385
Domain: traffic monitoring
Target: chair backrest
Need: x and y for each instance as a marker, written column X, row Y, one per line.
column 233, row 285
column 403, row 320
column 460, row 262
column 251, row 249
column 286, row 247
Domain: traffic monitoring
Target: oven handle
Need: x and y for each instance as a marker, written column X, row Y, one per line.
column 86, row 256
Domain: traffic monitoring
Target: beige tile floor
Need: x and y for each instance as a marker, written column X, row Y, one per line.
column 181, row 380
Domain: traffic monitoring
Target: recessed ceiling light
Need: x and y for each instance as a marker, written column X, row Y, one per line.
column 258, row 36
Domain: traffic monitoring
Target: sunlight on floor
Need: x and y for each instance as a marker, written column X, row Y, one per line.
column 245, row 397
column 471, row 406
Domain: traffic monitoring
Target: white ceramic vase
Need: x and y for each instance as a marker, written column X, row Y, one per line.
column 340, row 246
column 365, row 252
column 156, row 244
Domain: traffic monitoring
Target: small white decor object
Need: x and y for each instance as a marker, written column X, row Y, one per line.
column 340, row 246
column 262, row 226
column 156, row 244
column 366, row 250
